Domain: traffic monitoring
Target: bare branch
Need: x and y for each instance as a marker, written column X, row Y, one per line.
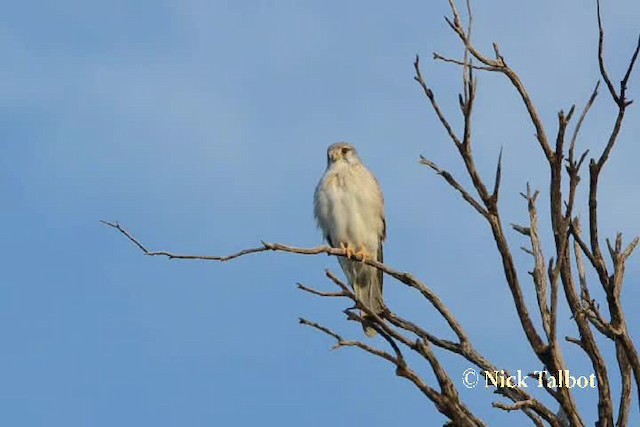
column 434, row 103
column 515, row 407
column 496, row 184
column 585, row 111
column 629, row 250
column 619, row 98
column 265, row 247
column 455, row 184
column 603, row 69
column 341, row 342
column 320, row 293
column 438, row 57
column 575, row 232
column 625, row 80
column 585, row 295
column 539, row 270
column 626, row 391
column 575, row 341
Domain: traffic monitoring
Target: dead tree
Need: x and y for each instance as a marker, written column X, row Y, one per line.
column 560, row 270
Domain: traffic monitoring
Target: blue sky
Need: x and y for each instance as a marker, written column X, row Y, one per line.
column 202, row 127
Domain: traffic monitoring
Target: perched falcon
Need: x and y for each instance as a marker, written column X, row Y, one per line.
column 349, row 208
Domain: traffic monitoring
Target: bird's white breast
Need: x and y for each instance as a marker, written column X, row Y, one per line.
column 349, row 206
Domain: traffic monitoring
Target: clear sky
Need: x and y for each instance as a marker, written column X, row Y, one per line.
column 202, row 127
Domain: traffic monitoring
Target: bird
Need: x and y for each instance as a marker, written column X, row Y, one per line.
column 349, row 209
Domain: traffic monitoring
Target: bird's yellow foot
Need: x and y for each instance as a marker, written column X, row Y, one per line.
column 348, row 249
column 363, row 255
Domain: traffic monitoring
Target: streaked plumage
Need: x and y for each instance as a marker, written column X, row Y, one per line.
column 349, row 208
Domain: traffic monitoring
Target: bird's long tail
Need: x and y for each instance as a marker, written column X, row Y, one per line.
column 370, row 294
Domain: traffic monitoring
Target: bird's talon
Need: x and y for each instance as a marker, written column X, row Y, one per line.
column 363, row 255
column 348, row 250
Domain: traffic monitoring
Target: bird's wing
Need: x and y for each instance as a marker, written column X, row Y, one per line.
column 320, row 210
column 382, row 234
column 327, row 237
column 380, row 254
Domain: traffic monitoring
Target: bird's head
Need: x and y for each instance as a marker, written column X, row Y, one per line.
column 342, row 152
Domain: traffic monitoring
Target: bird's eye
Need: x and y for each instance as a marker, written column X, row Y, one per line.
column 345, row 150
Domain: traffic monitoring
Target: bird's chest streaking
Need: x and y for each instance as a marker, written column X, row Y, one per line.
column 346, row 198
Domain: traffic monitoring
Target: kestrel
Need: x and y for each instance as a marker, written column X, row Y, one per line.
column 349, row 208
